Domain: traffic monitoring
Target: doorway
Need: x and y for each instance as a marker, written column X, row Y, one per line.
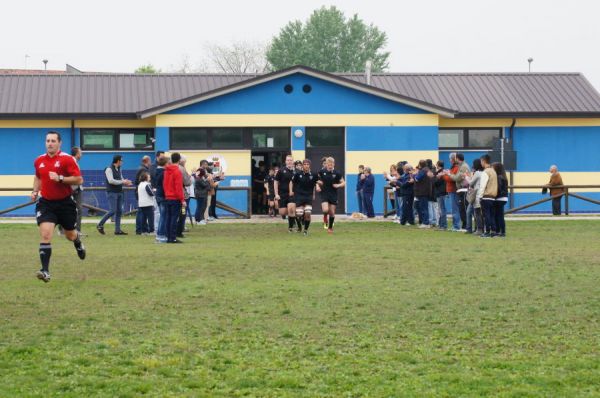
column 261, row 161
column 324, row 142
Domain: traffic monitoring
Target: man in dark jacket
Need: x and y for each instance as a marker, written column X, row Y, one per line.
column 368, row 189
column 423, row 193
column 359, row 189
column 114, row 182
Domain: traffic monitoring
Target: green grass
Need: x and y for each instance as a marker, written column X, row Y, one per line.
column 248, row 310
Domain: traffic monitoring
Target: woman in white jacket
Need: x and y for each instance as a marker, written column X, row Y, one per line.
column 474, row 207
column 145, row 204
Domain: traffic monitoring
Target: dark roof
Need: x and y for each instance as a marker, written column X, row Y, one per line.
column 458, row 94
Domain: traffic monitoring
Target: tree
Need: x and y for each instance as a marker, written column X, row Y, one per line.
column 149, row 68
column 238, row 57
column 330, row 42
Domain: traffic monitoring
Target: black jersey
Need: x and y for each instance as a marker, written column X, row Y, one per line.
column 329, row 178
column 283, row 177
column 304, row 183
column 270, row 181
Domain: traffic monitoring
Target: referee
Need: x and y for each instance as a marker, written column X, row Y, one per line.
column 55, row 174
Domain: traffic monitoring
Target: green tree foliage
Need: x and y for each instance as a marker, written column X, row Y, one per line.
column 149, row 68
column 329, row 41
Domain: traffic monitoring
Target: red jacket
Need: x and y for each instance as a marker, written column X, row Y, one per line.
column 450, row 183
column 173, row 183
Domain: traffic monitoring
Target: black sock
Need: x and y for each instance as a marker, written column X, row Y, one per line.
column 45, row 253
column 77, row 243
column 299, row 222
column 283, row 217
column 331, row 218
column 290, row 222
column 306, row 223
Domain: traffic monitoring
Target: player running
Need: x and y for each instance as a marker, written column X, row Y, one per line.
column 287, row 206
column 55, row 173
column 303, row 186
column 270, row 190
column 330, row 180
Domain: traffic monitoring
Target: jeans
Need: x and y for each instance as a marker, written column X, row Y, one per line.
column 499, row 215
column 432, row 213
column 487, row 206
column 162, row 218
column 173, row 210
column 200, row 208
column 470, row 214
column 115, row 201
column 423, row 209
column 461, row 198
column 360, row 199
column 407, row 210
column 212, row 209
column 455, row 211
column 138, row 221
column 368, row 204
column 147, row 219
column 556, row 206
column 443, row 216
column 398, row 204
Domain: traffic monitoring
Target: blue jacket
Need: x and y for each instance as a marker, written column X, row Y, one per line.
column 406, row 188
column 359, row 182
column 369, row 184
column 158, row 184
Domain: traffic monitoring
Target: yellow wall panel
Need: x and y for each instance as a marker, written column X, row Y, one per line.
column 35, row 123
column 16, row 181
column 299, row 155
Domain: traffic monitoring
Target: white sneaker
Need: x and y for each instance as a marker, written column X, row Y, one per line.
column 211, row 219
column 423, row 226
column 203, row 222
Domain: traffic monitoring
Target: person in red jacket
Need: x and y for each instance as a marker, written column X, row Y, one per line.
column 174, row 197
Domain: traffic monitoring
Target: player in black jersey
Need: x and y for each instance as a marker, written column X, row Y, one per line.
column 330, row 180
column 303, row 186
column 324, row 204
column 287, row 206
column 270, row 190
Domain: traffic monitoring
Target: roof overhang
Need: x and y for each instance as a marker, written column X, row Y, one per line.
column 63, row 116
column 527, row 115
column 365, row 88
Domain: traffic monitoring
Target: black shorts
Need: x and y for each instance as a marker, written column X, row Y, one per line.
column 303, row 200
column 284, row 199
column 270, row 197
column 59, row 212
column 329, row 197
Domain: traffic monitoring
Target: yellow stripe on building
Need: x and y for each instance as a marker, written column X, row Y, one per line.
column 238, row 162
column 16, row 181
column 299, row 155
column 380, row 161
column 276, row 120
column 35, row 124
column 444, row 122
column 521, row 122
column 568, row 177
column 141, row 123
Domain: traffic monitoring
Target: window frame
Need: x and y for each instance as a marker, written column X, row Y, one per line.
column 465, row 136
column 247, row 133
column 116, row 134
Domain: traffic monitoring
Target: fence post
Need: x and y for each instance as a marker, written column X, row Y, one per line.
column 566, row 201
column 511, row 196
column 385, row 202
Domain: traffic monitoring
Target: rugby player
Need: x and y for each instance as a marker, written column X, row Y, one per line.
column 287, row 206
column 55, row 174
column 303, row 186
column 330, row 180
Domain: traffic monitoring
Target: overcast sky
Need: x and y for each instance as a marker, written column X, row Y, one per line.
column 424, row 36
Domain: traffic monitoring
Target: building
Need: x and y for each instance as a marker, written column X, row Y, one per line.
column 548, row 118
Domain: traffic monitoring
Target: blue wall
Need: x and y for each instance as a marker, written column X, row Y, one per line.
column 24, row 145
column 391, row 138
column 325, row 98
column 570, row 148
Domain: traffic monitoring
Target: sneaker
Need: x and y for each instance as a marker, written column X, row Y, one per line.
column 299, row 230
column 468, row 231
column 43, row 276
column 121, row 233
column 211, row 219
column 329, row 230
column 454, row 230
column 203, row 222
column 462, row 230
column 81, row 235
column 477, row 233
column 290, row 230
column 175, row 241
column 100, row 229
column 325, row 225
column 81, row 251
column 424, row 226
column 485, row 235
column 305, row 233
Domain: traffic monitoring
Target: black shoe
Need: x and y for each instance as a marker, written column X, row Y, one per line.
column 174, row 241
column 81, row 251
column 100, row 229
column 121, row 233
column 290, row 230
column 43, row 276
column 181, row 236
column 485, row 235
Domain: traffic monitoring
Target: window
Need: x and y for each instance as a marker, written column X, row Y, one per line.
column 227, row 138
column 324, row 136
column 270, row 138
column 189, row 138
column 111, row 139
column 482, row 138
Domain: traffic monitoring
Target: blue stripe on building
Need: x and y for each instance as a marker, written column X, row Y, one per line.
column 405, row 138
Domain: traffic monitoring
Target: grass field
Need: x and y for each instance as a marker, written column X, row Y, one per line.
column 248, row 310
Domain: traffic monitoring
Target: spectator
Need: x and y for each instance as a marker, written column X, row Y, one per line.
column 474, row 206
column 187, row 185
column 174, row 197
column 458, row 176
column 432, row 203
column 439, row 192
column 408, row 197
column 501, row 199
column 422, row 191
column 144, row 168
column 154, row 166
column 390, row 180
column 201, row 188
column 451, row 190
column 368, row 191
column 359, row 189
column 216, row 179
column 159, row 196
column 488, row 190
column 114, row 188
column 556, row 193
column 145, row 205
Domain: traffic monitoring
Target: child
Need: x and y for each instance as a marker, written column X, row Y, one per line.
column 145, row 204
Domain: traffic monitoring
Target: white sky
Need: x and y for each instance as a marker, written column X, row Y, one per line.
column 424, row 36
